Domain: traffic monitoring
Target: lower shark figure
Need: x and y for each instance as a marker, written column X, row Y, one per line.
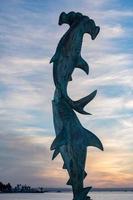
column 72, row 140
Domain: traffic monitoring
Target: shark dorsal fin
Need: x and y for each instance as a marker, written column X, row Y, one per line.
column 54, row 58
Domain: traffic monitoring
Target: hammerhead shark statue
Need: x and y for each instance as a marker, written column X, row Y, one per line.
column 68, row 54
column 72, row 139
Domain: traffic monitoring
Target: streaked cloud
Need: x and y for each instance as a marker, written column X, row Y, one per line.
column 113, row 32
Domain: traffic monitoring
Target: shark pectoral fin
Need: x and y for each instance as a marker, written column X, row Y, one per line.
column 56, row 152
column 80, row 104
column 90, row 139
column 58, row 141
column 82, row 64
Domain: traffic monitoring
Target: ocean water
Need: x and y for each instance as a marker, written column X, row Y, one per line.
column 67, row 196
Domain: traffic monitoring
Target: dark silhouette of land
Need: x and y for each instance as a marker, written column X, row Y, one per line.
column 7, row 188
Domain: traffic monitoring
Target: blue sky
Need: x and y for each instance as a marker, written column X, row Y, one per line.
column 29, row 34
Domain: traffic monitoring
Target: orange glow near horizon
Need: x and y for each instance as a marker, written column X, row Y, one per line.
column 104, row 169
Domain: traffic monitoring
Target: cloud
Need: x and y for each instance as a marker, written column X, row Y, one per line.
column 113, row 32
column 119, row 13
column 129, row 104
column 24, row 155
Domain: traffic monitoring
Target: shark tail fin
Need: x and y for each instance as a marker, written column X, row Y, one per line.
column 80, row 104
column 83, row 193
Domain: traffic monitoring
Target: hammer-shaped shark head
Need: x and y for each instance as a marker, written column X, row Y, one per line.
column 91, row 28
column 69, row 18
column 74, row 19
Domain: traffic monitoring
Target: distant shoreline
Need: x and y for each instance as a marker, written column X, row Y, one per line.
column 92, row 190
column 61, row 190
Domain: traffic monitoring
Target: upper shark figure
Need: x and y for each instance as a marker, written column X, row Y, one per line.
column 68, row 55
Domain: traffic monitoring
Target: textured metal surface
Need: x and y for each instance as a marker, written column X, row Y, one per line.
column 72, row 139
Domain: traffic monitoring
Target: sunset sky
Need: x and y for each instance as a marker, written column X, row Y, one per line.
column 29, row 34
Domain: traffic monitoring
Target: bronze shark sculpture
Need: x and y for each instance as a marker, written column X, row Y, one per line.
column 72, row 138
